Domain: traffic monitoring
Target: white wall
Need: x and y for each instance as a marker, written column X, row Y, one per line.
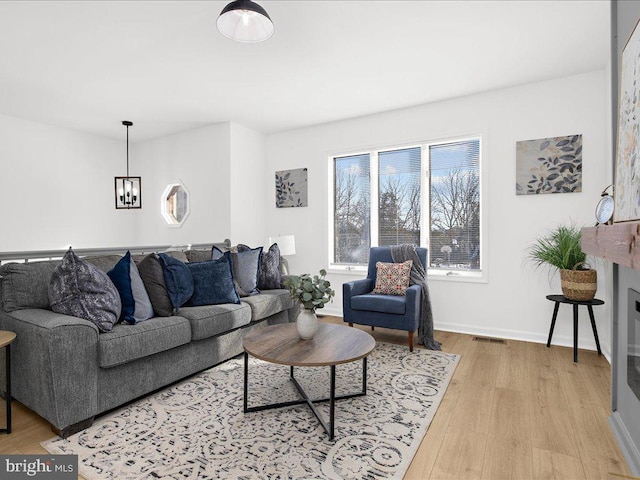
column 248, row 168
column 199, row 159
column 57, row 188
column 512, row 304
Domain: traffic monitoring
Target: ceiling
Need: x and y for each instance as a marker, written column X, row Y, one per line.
column 164, row 65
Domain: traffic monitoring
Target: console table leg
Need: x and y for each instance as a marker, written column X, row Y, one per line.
column 595, row 330
column 553, row 323
column 575, row 333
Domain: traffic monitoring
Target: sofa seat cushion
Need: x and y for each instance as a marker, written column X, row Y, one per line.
column 379, row 303
column 268, row 302
column 210, row 320
column 126, row 343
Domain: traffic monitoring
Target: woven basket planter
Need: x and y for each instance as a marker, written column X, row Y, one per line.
column 580, row 285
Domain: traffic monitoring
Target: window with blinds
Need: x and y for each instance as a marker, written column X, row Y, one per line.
column 352, row 209
column 399, row 196
column 385, row 197
column 454, row 238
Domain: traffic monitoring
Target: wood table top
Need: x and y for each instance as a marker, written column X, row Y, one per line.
column 331, row 345
column 6, row 338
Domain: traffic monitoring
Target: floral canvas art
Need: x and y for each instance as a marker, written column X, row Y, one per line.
column 549, row 165
column 627, row 185
column 291, row 188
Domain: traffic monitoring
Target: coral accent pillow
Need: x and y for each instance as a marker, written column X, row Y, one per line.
column 392, row 278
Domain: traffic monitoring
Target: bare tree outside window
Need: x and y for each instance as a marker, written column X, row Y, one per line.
column 352, row 210
column 399, row 196
column 455, row 206
column 448, row 176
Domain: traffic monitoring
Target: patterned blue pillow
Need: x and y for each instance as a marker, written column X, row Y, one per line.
column 178, row 279
column 213, row 282
column 82, row 290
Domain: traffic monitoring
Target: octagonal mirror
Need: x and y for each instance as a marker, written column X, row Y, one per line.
column 175, row 204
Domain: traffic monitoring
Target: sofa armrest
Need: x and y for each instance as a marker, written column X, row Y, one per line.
column 55, row 364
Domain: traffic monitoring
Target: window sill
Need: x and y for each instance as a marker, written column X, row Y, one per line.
column 466, row 277
column 432, row 275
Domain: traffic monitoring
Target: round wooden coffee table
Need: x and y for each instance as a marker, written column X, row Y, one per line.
column 332, row 345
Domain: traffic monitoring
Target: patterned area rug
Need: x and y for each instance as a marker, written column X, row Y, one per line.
column 196, row 428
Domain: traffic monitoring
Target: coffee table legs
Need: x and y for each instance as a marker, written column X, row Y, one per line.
column 330, row 427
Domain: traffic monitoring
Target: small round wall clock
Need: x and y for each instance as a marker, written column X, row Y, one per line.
column 604, row 208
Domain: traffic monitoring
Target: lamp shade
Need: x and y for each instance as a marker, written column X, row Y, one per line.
column 286, row 244
column 245, row 21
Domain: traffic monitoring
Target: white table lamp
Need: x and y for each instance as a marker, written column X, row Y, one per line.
column 287, row 246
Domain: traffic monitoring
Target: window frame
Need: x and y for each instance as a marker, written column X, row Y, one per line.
column 474, row 276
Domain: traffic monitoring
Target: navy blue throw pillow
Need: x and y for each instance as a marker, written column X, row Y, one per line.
column 213, row 282
column 120, row 275
column 178, row 279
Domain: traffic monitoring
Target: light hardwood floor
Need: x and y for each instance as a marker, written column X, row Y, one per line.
column 513, row 411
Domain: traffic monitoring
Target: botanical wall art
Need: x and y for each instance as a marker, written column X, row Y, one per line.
column 291, row 188
column 627, row 185
column 549, row 165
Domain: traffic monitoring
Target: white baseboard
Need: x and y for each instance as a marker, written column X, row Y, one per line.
column 625, row 442
column 561, row 340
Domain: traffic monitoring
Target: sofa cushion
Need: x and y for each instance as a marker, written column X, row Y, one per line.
column 210, row 320
column 198, row 255
column 80, row 289
column 178, row 279
column 268, row 302
column 26, row 285
column 103, row 262
column 126, row 343
column 212, row 282
column 153, row 279
column 380, row 303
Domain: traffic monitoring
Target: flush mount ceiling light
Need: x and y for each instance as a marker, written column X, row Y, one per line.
column 245, row 21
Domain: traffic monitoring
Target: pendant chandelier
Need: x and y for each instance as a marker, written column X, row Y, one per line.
column 128, row 189
column 245, row 21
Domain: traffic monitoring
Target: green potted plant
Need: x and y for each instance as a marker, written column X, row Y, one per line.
column 311, row 293
column 561, row 250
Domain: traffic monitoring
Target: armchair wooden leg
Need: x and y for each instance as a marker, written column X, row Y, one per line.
column 411, row 341
column 350, row 324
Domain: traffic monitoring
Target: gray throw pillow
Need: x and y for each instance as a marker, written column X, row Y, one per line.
column 144, row 309
column 152, row 276
column 269, row 276
column 80, row 289
column 246, row 264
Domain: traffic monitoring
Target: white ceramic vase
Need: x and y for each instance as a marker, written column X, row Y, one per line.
column 307, row 324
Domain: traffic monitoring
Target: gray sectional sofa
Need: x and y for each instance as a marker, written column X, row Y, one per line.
column 68, row 372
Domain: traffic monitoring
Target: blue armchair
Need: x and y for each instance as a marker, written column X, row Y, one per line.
column 362, row 307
